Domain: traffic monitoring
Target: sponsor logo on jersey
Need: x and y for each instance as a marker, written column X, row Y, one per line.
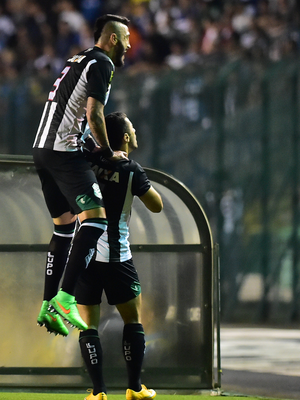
column 106, row 174
column 77, row 58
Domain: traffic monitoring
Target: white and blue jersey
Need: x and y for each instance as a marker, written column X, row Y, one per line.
column 119, row 182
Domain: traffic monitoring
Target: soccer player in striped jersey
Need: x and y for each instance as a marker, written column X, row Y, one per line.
column 112, row 269
column 69, row 185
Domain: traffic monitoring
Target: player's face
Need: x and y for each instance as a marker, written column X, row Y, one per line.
column 122, row 46
column 131, row 132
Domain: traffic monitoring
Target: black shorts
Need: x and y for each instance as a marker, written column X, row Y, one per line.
column 119, row 280
column 68, row 182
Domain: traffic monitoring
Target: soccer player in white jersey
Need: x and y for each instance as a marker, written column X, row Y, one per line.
column 69, row 185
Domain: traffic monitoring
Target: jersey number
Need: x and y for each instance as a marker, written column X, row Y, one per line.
column 58, row 82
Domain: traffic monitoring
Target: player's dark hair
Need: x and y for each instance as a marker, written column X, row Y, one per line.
column 101, row 21
column 116, row 126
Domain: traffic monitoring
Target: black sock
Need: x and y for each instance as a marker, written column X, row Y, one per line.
column 133, row 349
column 82, row 250
column 57, row 255
column 91, row 351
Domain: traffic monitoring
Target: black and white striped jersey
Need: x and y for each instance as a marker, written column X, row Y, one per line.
column 119, row 182
column 87, row 74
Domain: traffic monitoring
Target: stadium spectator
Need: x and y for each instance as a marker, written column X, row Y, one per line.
column 68, row 13
column 7, row 28
column 66, row 39
column 90, row 9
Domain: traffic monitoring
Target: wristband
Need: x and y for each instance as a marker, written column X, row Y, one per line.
column 107, row 152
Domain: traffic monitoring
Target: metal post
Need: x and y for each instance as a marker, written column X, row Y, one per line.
column 265, row 186
column 220, row 172
column 217, row 311
column 221, row 177
column 295, row 197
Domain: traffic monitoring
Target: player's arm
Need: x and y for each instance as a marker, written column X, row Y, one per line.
column 96, row 121
column 152, row 200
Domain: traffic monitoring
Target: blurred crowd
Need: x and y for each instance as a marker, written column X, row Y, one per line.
column 36, row 36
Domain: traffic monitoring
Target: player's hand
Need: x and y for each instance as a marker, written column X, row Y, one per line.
column 73, row 142
column 119, row 155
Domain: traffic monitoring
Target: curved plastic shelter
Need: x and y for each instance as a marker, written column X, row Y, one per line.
column 177, row 264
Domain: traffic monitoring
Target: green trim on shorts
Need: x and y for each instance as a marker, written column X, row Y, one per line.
column 136, row 288
column 91, row 200
column 85, row 202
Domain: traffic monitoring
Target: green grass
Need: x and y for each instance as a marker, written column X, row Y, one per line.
column 81, row 396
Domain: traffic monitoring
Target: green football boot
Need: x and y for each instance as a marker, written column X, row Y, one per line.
column 51, row 320
column 65, row 305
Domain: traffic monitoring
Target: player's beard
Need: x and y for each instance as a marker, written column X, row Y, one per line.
column 120, row 51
